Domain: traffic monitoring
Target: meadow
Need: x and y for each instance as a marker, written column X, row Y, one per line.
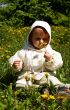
column 11, row 40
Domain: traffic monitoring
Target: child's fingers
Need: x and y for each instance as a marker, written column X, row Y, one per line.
column 46, row 53
column 16, row 64
column 18, row 61
column 48, row 56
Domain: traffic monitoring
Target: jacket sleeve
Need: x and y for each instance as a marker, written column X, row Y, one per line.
column 19, row 55
column 55, row 63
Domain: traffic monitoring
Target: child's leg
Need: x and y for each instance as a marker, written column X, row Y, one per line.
column 24, row 80
column 50, row 78
column 21, row 83
column 43, row 80
column 53, row 80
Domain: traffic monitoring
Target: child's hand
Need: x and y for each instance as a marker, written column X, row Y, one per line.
column 16, row 64
column 48, row 56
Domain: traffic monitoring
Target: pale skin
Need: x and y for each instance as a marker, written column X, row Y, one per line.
column 39, row 39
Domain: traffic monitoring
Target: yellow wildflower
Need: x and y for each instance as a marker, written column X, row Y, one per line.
column 51, row 97
column 45, row 96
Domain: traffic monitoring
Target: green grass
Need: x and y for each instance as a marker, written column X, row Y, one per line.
column 11, row 40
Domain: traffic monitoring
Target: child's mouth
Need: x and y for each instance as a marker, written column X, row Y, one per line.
column 42, row 44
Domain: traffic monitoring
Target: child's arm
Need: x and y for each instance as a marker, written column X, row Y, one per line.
column 53, row 61
column 16, row 61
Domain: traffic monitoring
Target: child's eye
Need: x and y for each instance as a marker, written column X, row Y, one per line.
column 44, row 39
column 37, row 38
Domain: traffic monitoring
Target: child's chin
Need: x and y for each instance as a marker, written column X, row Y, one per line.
column 39, row 47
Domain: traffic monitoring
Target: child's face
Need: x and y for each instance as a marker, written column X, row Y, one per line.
column 40, row 38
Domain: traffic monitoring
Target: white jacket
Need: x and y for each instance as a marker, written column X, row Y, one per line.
column 33, row 59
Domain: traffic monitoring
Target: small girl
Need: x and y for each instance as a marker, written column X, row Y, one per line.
column 38, row 61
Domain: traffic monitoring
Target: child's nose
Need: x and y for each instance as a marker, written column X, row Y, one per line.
column 41, row 40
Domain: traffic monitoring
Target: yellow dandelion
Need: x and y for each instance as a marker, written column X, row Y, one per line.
column 47, row 96
column 51, row 97
column 44, row 96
